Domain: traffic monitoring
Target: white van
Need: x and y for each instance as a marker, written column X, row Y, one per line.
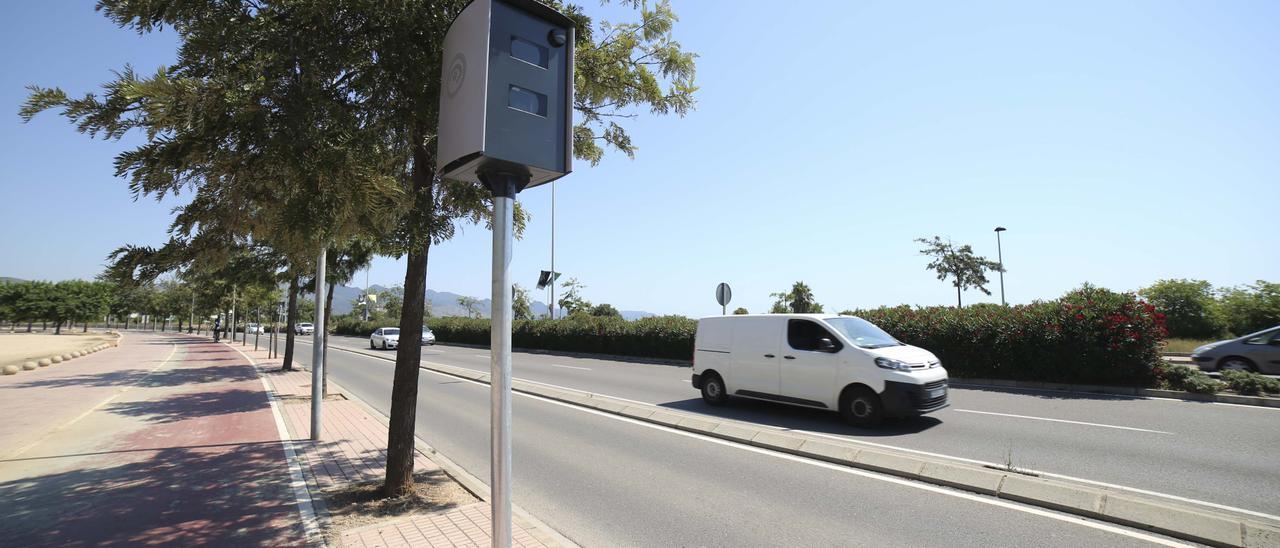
column 821, row 361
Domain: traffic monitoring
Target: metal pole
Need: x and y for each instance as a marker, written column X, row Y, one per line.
column 500, row 362
column 1000, row 258
column 257, row 318
column 233, row 314
column 552, row 304
column 317, row 349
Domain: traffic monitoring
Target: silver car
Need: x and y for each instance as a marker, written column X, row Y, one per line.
column 1258, row 352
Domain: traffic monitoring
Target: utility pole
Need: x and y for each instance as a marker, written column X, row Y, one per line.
column 1000, row 259
column 317, row 348
column 551, row 306
column 233, row 314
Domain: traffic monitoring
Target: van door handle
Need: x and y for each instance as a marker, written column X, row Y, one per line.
column 769, row 356
column 790, row 357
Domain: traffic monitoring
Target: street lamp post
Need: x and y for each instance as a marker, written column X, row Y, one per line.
column 1000, row 258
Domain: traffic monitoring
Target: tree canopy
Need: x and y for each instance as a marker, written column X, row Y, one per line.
column 965, row 269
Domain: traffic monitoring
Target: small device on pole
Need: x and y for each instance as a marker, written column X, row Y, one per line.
column 723, row 295
column 506, row 114
column 317, row 349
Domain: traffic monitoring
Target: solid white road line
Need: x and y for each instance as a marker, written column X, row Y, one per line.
column 298, row 483
column 1063, row 421
column 569, row 367
column 858, row 472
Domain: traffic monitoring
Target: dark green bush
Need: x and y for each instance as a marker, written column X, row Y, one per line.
column 668, row 337
column 1090, row 336
column 1181, row 377
column 354, row 328
column 1250, row 384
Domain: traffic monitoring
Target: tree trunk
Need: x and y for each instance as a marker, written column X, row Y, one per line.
column 29, row 327
column 86, row 327
column 958, row 305
column 324, row 339
column 57, row 329
column 404, row 386
column 290, row 318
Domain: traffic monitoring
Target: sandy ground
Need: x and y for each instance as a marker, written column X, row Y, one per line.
column 16, row 348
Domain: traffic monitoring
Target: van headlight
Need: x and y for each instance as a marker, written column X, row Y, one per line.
column 887, row 363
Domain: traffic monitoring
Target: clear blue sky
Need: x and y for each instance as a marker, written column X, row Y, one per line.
column 1120, row 143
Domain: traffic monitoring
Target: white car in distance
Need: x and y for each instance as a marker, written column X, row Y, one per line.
column 385, row 338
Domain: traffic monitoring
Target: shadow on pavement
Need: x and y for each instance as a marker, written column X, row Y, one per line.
column 799, row 418
column 1042, row 394
column 194, row 405
column 139, row 377
column 178, row 496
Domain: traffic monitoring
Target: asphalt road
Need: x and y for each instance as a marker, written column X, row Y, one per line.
column 609, row 481
column 1220, row 454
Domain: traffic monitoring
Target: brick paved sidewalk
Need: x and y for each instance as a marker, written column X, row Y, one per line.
column 168, row 439
column 353, row 450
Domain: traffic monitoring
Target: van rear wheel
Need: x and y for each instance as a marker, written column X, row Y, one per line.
column 713, row 390
column 861, row 407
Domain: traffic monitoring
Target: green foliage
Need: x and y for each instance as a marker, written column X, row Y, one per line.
column 1089, row 336
column 966, row 270
column 1251, row 308
column 521, row 307
column 1189, row 307
column 56, row 303
column 1190, row 379
column 740, row 311
column 1250, row 384
column 572, row 301
column 668, row 337
column 471, row 305
column 605, row 310
column 799, row 300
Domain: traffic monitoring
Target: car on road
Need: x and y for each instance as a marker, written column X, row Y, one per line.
column 428, row 338
column 304, row 329
column 385, row 338
column 253, row 328
column 1258, row 352
column 820, row 361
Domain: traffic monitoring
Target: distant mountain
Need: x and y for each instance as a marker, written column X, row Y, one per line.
column 444, row 303
column 8, row 280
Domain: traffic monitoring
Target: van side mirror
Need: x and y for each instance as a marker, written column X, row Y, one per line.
column 825, row 345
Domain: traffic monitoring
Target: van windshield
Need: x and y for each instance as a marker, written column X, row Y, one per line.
column 862, row 333
column 391, row 331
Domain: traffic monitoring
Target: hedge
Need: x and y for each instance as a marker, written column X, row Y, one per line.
column 669, row 337
column 1090, row 336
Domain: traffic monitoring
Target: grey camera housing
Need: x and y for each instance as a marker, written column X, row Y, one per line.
column 506, row 94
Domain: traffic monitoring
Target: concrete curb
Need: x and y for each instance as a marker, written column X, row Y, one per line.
column 540, row 530
column 536, row 527
column 1178, row 520
column 1260, row 401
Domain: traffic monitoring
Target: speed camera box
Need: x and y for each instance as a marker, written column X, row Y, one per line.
column 506, row 97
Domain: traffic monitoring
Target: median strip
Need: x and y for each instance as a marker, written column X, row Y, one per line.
column 1179, row 520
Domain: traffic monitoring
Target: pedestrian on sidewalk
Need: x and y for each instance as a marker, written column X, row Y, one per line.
column 217, row 327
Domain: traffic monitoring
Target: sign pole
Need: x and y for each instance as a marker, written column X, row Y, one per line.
column 317, row 349
column 504, row 187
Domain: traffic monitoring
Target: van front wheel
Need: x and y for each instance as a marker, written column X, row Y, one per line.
column 713, row 390
column 861, row 407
